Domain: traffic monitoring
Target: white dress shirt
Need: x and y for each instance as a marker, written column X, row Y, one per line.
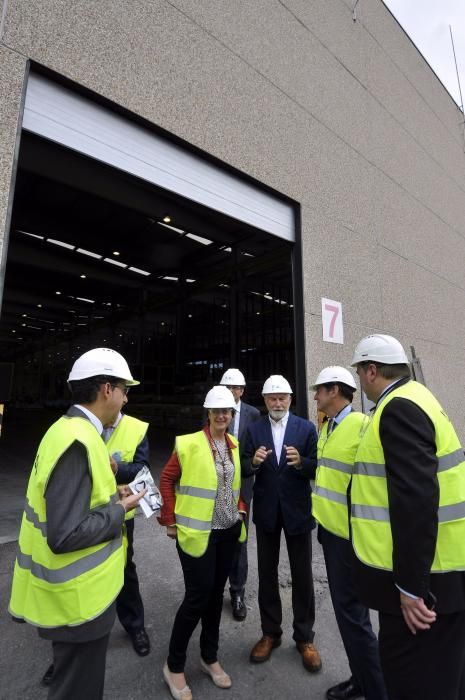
column 278, row 428
column 237, row 418
column 96, row 422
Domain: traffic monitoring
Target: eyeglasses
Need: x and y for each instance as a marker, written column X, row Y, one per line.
column 121, row 387
column 234, row 387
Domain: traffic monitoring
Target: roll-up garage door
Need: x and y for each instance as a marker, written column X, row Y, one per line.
column 59, row 114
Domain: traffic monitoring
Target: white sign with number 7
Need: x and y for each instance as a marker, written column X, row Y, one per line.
column 331, row 316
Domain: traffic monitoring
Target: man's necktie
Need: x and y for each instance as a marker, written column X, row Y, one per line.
column 106, row 433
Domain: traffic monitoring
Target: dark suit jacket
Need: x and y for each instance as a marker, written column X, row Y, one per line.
column 279, row 487
column 248, row 415
column 409, row 445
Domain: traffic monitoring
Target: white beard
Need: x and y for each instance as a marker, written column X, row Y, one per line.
column 278, row 414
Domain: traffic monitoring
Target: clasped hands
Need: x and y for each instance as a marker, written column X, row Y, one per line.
column 292, row 456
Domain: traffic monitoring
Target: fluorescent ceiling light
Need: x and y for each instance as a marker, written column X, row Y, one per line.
column 32, row 235
column 89, row 301
column 198, row 239
column 249, row 255
column 62, row 244
column 188, row 280
column 172, row 279
column 89, row 253
column 139, row 271
column 115, row 262
column 172, row 228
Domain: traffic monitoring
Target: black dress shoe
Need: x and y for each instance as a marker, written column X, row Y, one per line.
column 347, row 690
column 239, row 610
column 48, row 675
column 141, row 642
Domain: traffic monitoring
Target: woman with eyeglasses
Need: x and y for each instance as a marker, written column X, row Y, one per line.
column 202, row 510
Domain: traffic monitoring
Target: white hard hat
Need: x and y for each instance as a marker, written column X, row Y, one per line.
column 233, row 377
column 101, row 361
column 219, row 397
column 380, row 348
column 336, row 375
column 276, row 384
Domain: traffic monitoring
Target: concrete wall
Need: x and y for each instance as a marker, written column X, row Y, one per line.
column 12, row 72
column 346, row 118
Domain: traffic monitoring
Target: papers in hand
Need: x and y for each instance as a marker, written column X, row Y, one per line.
column 152, row 501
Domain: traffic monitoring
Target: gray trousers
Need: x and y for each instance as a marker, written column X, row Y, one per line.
column 79, row 670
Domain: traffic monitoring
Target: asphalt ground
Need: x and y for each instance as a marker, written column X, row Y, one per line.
column 24, row 657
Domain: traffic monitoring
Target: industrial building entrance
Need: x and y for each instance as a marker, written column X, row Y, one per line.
column 98, row 256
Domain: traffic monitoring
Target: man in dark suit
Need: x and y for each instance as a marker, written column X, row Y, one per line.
column 408, row 527
column 280, row 450
column 244, row 416
column 126, row 461
column 72, row 486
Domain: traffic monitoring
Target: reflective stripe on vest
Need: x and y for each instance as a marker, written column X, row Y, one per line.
column 125, row 439
column 70, row 571
column 197, row 489
column 446, row 462
column 336, row 455
column 51, row 590
column 371, row 528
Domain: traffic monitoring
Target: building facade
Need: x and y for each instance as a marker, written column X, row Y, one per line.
column 342, row 117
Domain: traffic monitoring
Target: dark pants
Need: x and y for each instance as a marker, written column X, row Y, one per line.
column 240, row 567
column 426, row 666
column 79, row 670
column 299, row 549
column 352, row 617
column 205, row 578
column 129, row 605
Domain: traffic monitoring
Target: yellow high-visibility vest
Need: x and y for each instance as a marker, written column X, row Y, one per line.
column 125, row 439
column 370, row 521
column 196, row 491
column 336, row 456
column 51, row 590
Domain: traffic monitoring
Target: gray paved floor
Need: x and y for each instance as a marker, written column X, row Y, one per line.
column 24, row 657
